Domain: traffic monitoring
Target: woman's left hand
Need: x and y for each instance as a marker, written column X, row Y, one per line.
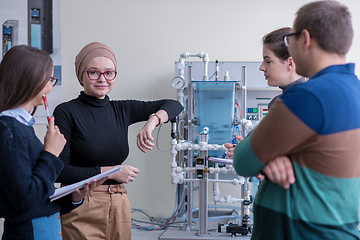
column 79, row 194
column 231, row 147
column 144, row 138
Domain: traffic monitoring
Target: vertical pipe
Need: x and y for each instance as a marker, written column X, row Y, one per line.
column 203, row 190
column 190, row 195
column 206, row 63
column 216, row 190
column 244, row 90
column 203, row 203
column 216, row 70
column 242, row 196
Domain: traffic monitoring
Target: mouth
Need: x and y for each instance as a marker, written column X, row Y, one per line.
column 101, row 86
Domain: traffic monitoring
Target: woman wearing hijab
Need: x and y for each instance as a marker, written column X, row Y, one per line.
column 96, row 130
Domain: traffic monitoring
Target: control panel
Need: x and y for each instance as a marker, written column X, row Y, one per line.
column 10, row 35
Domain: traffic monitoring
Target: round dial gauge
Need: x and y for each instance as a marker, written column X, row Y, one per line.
column 178, row 82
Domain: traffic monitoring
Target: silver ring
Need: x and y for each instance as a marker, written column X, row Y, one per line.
column 144, row 139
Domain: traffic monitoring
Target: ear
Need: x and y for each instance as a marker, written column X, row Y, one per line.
column 290, row 64
column 306, row 39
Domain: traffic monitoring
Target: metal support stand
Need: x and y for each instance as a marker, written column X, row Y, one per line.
column 203, row 187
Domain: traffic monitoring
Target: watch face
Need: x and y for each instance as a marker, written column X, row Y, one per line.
column 178, row 82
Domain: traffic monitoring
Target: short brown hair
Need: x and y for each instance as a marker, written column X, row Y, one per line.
column 275, row 42
column 24, row 72
column 329, row 23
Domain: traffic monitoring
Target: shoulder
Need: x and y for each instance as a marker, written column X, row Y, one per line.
column 8, row 123
column 10, row 128
column 70, row 103
column 67, row 106
column 128, row 103
column 123, row 104
column 306, row 93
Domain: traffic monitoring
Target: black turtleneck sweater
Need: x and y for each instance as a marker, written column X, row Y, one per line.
column 96, row 131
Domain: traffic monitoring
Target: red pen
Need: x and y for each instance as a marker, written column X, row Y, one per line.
column 46, row 107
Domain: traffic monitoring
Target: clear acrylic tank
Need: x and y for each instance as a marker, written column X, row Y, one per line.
column 215, row 104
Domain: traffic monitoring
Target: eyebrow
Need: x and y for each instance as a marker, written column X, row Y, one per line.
column 106, row 69
column 267, row 57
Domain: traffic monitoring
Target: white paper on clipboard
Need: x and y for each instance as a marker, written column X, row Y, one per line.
column 221, row 160
column 63, row 191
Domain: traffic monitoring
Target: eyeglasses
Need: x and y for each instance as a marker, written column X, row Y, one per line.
column 287, row 37
column 53, row 80
column 95, row 75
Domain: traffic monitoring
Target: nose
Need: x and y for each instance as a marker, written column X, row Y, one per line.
column 261, row 68
column 101, row 78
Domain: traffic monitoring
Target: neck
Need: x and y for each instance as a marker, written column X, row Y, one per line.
column 294, row 76
column 321, row 59
column 27, row 107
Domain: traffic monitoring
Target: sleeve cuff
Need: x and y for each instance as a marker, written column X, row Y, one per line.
column 245, row 161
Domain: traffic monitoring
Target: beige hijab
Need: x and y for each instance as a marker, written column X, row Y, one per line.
column 88, row 53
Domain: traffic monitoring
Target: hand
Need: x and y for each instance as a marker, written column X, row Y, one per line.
column 127, row 173
column 280, row 171
column 54, row 141
column 231, row 147
column 260, row 177
column 81, row 193
column 144, row 138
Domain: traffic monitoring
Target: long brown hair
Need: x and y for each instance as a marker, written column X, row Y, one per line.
column 24, row 72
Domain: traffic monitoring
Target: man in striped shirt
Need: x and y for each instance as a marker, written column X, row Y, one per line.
column 314, row 126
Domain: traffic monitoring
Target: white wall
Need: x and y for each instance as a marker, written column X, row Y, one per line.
column 15, row 10
column 147, row 37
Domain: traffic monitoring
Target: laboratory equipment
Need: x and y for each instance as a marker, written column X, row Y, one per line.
column 10, row 32
column 215, row 110
column 40, row 25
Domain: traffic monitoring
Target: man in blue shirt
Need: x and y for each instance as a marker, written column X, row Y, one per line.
column 309, row 127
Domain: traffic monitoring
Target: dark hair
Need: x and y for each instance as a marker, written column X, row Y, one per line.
column 329, row 23
column 275, row 42
column 24, row 72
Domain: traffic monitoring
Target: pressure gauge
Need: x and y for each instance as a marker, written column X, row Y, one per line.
column 178, row 82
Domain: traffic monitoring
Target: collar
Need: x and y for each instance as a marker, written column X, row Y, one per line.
column 21, row 115
column 300, row 80
column 94, row 101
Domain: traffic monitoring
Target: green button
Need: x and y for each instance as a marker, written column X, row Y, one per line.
column 255, row 110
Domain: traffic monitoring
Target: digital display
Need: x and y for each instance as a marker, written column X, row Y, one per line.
column 7, row 30
column 35, row 12
column 36, row 35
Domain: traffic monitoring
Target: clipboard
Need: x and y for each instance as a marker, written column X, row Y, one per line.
column 221, row 160
column 63, row 191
